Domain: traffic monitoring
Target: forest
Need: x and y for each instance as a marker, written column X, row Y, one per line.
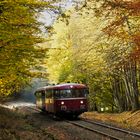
column 96, row 42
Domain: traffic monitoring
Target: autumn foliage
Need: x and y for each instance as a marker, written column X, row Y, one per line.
column 19, row 38
column 98, row 44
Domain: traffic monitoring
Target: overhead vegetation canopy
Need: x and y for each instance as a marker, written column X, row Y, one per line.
column 19, row 38
column 98, row 44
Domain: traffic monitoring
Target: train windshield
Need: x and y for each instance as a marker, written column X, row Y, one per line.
column 70, row 93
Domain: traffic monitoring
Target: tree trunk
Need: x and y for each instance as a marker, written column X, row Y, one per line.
column 117, row 94
column 131, row 84
column 135, row 85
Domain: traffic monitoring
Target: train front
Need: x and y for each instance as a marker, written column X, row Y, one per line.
column 71, row 100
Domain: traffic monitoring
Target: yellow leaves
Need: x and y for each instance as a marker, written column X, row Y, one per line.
column 4, row 91
column 75, row 48
column 11, row 83
column 19, row 34
column 83, row 47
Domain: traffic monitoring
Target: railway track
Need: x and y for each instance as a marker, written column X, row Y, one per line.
column 109, row 132
column 106, row 131
column 114, row 128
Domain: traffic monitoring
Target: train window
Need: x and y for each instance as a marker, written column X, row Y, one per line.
column 48, row 93
column 86, row 92
column 56, row 94
column 79, row 92
column 65, row 93
column 70, row 93
column 38, row 94
column 43, row 94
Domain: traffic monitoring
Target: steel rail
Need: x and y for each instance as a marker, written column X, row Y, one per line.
column 34, row 108
column 85, row 127
column 93, row 130
column 112, row 127
column 99, row 124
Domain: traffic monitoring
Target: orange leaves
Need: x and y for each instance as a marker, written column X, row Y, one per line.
column 136, row 39
column 136, row 55
column 136, row 51
column 133, row 7
column 125, row 24
column 113, row 26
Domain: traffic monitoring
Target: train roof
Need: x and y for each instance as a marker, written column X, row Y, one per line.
column 63, row 86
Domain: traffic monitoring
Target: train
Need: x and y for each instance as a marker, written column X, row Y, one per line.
column 68, row 99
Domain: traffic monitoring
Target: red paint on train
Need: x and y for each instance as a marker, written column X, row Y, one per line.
column 64, row 99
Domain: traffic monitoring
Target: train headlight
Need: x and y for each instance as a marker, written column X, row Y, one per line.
column 62, row 103
column 81, row 102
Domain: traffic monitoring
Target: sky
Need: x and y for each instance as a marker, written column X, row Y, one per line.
column 47, row 17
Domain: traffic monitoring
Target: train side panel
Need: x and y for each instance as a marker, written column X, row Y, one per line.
column 49, row 105
column 40, row 99
column 65, row 99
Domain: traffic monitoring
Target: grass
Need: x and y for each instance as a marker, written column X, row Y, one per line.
column 129, row 120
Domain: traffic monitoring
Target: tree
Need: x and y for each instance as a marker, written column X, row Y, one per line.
column 123, row 28
column 103, row 52
column 19, row 38
column 77, row 57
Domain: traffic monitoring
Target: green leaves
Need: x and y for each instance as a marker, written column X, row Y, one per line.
column 19, row 38
column 94, row 47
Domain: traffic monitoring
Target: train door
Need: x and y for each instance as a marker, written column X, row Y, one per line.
column 52, row 102
column 49, row 100
column 38, row 99
column 43, row 99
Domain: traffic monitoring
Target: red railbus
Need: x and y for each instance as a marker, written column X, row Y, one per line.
column 63, row 99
